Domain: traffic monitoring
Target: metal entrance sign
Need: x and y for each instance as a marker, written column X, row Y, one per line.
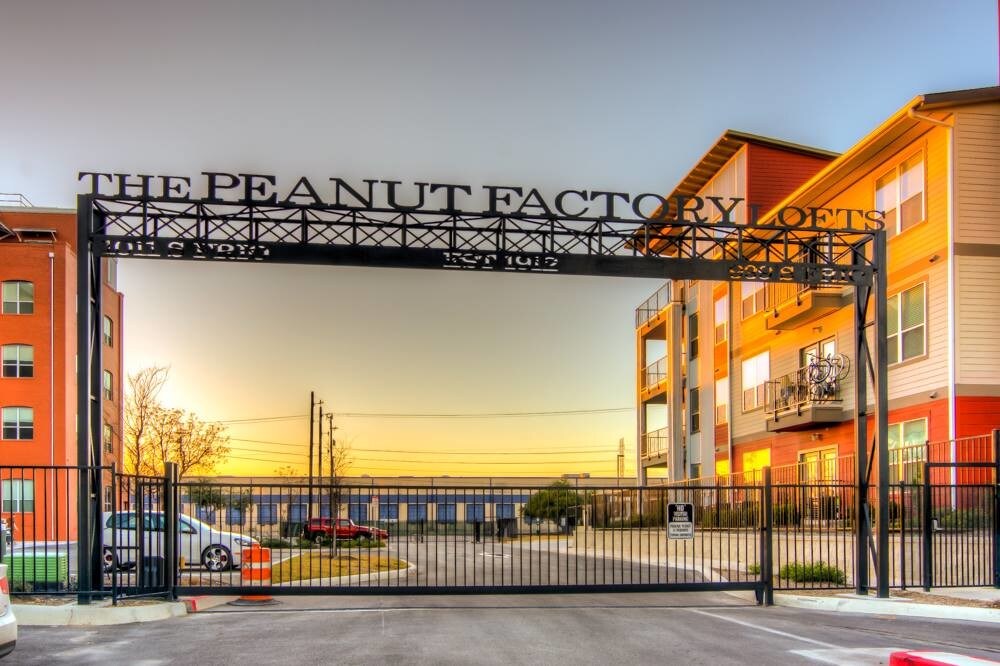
column 680, row 520
column 241, row 217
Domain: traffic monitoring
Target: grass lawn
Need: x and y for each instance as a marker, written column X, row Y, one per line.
column 320, row 564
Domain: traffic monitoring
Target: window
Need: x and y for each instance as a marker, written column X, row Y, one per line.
column 695, row 471
column 112, row 272
column 505, row 510
column 18, row 423
column 826, row 349
column 900, row 193
column 18, row 495
column 721, row 319
column 107, row 438
column 818, row 465
column 234, row 515
column 754, row 461
column 722, row 400
column 358, row 512
column 693, row 336
column 907, row 315
column 108, row 499
column 108, row 385
column 298, row 512
column 387, row 511
column 907, row 451
column 756, row 372
column 416, row 512
column 475, row 512
column 18, row 361
column 267, row 514
column 446, row 513
column 752, row 294
column 109, row 338
column 694, row 410
column 18, row 297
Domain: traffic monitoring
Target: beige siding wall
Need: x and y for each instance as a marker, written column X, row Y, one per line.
column 927, row 373
column 977, row 314
column 977, row 174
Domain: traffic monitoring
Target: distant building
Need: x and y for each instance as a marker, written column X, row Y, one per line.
column 38, row 253
column 735, row 377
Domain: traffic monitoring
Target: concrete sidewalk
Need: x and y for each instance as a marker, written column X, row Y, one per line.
column 942, row 604
column 976, row 604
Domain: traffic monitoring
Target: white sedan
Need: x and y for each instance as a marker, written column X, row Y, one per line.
column 199, row 543
column 8, row 623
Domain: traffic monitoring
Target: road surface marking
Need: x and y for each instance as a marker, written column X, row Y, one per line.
column 759, row 627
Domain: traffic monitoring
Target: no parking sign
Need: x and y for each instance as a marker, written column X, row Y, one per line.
column 680, row 520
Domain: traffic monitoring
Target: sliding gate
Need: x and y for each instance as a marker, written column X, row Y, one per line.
column 257, row 539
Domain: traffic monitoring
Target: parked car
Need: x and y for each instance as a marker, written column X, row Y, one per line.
column 321, row 530
column 8, row 623
column 198, row 543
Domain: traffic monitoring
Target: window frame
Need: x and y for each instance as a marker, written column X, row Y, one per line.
column 757, row 298
column 109, row 331
column 107, row 438
column 896, row 172
column 12, row 501
column 108, row 385
column 692, row 321
column 17, row 364
column 723, row 302
column 759, row 388
column 722, row 408
column 18, row 426
column 694, row 410
column 895, row 340
column 18, row 304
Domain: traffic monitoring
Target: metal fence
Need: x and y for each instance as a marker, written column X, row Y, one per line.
column 782, row 528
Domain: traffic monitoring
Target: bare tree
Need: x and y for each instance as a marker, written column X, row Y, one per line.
column 141, row 405
column 155, row 434
column 198, row 446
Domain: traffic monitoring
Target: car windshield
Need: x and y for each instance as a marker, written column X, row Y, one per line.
column 194, row 522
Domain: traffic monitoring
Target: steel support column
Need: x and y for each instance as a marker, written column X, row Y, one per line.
column 862, row 295
column 881, row 372
column 90, row 575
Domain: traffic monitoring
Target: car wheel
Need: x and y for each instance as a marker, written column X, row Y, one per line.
column 217, row 558
column 110, row 561
column 321, row 539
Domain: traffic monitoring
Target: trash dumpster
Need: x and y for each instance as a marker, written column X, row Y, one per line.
column 45, row 572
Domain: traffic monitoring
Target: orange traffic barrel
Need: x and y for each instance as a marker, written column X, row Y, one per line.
column 255, row 570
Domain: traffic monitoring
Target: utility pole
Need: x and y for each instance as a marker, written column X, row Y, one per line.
column 312, row 411
column 319, row 447
column 621, row 458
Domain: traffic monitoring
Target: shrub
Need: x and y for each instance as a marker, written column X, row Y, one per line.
column 784, row 515
column 272, row 542
column 753, row 569
column 963, row 519
column 813, row 572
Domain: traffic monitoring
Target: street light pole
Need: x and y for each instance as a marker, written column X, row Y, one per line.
column 312, row 411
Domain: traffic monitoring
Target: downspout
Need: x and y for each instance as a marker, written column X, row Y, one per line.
column 729, row 378
column 952, row 397
column 52, row 380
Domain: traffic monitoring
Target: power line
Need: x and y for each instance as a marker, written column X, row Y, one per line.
column 480, row 415
column 566, row 450
column 431, row 415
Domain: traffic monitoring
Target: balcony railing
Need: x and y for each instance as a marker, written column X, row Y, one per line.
column 654, row 373
column 817, row 384
column 14, row 199
column 652, row 305
column 778, row 293
column 654, row 443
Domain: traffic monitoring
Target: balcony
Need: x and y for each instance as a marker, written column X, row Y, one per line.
column 652, row 306
column 791, row 305
column 805, row 398
column 654, row 444
column 654, row 374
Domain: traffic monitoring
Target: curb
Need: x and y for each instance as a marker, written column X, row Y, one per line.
column 902, row 607
column 95, row 614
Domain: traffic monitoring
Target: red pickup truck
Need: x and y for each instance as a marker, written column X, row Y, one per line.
column 321, row 530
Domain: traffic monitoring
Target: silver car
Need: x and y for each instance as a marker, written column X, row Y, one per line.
column 8, row 623
column 198, row 543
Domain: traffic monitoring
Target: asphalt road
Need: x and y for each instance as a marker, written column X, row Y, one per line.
column 651, row 628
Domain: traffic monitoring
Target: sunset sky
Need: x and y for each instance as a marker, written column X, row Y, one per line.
column 432, row 372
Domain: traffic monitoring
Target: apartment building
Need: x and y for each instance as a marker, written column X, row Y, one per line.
column 682, row 330
column 765, row 370
column 38, row 378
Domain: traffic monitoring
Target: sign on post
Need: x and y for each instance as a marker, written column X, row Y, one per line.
column 680, row 520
